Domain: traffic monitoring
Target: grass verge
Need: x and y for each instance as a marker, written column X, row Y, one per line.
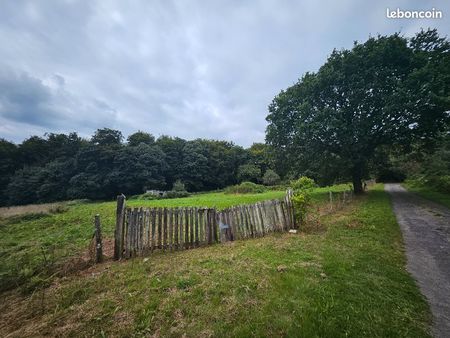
column 428, row 193
column 348, row 279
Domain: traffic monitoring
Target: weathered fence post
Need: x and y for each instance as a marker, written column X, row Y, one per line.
column 98, row 240
column 331, row 200
column 118, row 233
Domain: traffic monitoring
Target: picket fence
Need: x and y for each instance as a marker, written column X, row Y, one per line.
column 140, row 231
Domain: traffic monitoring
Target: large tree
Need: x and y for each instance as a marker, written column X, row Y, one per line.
column 387, row 91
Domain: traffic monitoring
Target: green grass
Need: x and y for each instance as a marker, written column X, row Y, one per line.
column 35, row 246
column 428, row 193
column 219, row 200
column 347, row 278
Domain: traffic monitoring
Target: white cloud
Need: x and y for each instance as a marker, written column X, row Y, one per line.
column 184, row 68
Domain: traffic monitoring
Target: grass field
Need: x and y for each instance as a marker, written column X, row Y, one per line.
column 38, row 240
column 344, row 277
column 428, row 192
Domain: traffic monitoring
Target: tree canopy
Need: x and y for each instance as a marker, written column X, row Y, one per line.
column 387, row 91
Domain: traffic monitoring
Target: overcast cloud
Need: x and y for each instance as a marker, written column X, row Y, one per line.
column 183, row 68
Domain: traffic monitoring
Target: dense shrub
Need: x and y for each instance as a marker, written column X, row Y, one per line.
column 248, row 172
column 178, row 186
column 245, row 188
column 176, row 194
column 270, row 177
column 302, row 189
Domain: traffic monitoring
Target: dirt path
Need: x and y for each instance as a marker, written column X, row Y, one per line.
column 426, row 232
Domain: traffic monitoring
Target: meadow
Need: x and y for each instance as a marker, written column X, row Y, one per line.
column 342, row 276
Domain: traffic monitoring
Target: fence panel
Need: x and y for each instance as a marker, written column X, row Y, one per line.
column 140, row 231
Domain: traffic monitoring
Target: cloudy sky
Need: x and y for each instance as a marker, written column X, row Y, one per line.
column 182, row 68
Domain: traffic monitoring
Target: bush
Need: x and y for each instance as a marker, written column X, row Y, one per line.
column 179, row 186
column 176, row 194
column 248, row 172
column 271, row 177
column 302, row 189
column 303, row 184
column 146, row 197
column 441, row 183
column 245, row 188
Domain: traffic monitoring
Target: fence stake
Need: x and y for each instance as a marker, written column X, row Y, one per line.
column 331, row 200
column 98, row 240
column 118, row 233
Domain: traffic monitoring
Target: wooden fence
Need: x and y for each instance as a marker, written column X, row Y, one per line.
column 140, row 231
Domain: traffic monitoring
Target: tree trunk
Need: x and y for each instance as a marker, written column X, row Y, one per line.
column 357, row 180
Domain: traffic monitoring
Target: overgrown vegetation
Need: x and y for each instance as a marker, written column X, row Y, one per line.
column 346, row 280
column 428, row 192
column 302, row 189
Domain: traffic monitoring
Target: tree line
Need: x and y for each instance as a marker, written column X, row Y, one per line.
column 65, row 166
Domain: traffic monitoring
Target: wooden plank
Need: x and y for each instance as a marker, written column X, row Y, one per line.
column 237, row 217
column 127, row 233
column 208, row 226
column 279, row 215
column 231, row 224
column 215, row 225
column 98, row 240
column 196, row 227
column 170, row 225
column 140, row 230
column 160, row 227
column 131, row 229
column 256, row 230
column 191, row 227
column 228, row 221
column 119, row 230
column 270, row 215
column 186, row 227
column 144, row 230
column 201, row 226
column 136, row 232
column 275, row 216
column 288, row 216
column 176, row 229
column 220, row 219
column 130, row 233
column 181, row 225
column 284, row 218
column 165, row 232
column 153, row 216
column 249, row 221
column 260, row 217
column 148, row 225
column 242, row 221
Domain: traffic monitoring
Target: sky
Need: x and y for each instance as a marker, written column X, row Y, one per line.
column 186, row 68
